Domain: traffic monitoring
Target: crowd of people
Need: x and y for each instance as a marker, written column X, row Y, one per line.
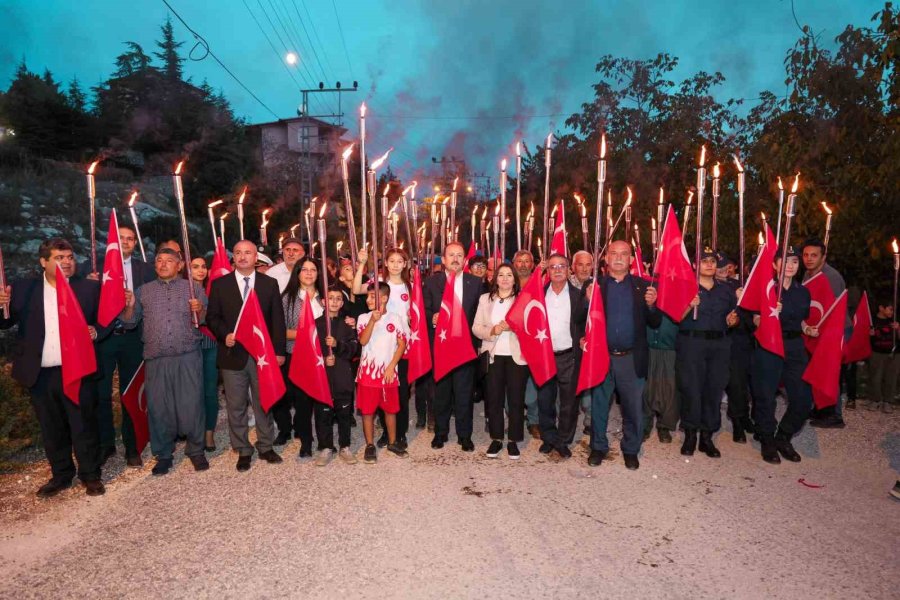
column 665, row 374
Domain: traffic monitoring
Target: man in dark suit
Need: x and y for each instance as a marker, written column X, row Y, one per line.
column 456, row 390
column 629, row 305
column 123, row 349
column 238, row 368
column 37, row 365
column 567, row 313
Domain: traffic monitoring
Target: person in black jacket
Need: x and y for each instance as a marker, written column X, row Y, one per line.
column 630, row 307
column 238, row 368
column 567, row 313
column 456, row 389
column 344, row 345
column 37, row 365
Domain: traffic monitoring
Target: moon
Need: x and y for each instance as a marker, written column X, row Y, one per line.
column 446, row 308
column 532, row 304
column 141, row 396
column 818, row 306
column 413, row 308
column 262, row 339
column 111, row 247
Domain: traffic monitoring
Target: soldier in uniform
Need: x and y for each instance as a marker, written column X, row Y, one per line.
column 769, row 369
column 702, row 357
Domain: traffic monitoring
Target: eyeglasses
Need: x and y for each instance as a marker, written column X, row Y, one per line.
column 557, row 267
column 306, row 270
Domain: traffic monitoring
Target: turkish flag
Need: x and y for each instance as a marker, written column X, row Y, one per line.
column 220, row 265
column 307, row 369
column 595, row 361
column 559, row 244
column 823, row 372
column 469, row 256
column 637, row 266
column 251, row 332
column 860, row 345
column 76, row 346
column 534, row 333
column 134, row 399
column 452, row 337
column 676, row 283
column 821, row 296
column 112, row 288
column 768, row 334
column 755, row 297
column 417, row 351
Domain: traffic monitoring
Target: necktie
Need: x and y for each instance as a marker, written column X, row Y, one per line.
column 246, row 287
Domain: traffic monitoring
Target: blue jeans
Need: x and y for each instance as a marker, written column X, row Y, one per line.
column 531, row 403
column 623, row 380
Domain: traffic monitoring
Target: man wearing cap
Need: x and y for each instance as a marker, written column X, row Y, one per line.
column 292, row 251
column 702, row 357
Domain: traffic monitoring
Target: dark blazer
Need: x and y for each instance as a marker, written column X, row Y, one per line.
column 578, row 316
column 644, row 317
column 433, row 293
column 26, row 308
column 342, row 376
column 225, row 301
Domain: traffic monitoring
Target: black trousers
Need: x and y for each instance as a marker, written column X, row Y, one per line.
column 738, row 388
column 768, row 371
column 325, row 417
column 453, row 394
column 295, row 398
column 125, row 352
column 505, row 388
column 701, row 370
column 66, row 426
column 424, row 394
column 403, row 413
column 559, row 432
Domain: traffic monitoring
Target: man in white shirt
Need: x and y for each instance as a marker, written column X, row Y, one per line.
column 292, row 251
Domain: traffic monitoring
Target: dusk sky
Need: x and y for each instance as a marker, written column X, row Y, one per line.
column 462, row 77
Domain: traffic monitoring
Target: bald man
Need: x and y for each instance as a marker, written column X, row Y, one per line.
column 238, row 368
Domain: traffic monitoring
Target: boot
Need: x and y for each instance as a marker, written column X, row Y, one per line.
column 785, row 449
column 706, row 445
column 769, row 451
column 748, row 424
column 690, row 442
column 737, row 431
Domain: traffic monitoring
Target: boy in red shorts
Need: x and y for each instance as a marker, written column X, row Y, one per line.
column 383, row 338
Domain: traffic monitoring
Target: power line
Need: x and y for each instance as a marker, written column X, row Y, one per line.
column 341, row 31
column 202, row 41
column 308, row 39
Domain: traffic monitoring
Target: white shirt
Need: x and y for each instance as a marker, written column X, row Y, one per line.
column 281, row 274
column 317, row 308
column 498, row 313
column 242, row 283
column 51, row 356
column 398, row 302
column 559, row 313
column 129, row 280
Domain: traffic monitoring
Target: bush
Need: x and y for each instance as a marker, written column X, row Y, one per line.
column 18, row 426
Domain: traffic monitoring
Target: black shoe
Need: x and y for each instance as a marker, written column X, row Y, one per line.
column 737, row 432
column 370, row 456
column 200, row 463
column 851, row 404
column 586, row 430
column 596, row 458
column 352, row 421
column 53, row 487
column 243, row 463
column 768, row 450
column 438, row 442
column 831, row 421
column 271, row 457
column 690, row 442
column 210, row 448
column 403, row 443
column 106, row 454
column 647, row 435
column 512, row 451
column 305, row 452
column 134, row 461
column 564, row 451
column 382, row 441
column 94, row 488
column 545, row 448
column 421, row 422
column 707, row 446
column 282, row 439
column 466, row 444
column 631, row 462
column 494, row 449
column 748, row 424
column 664, row 435
column 785, row 449
column 180, row 438
column 397, row 450
column 162, row 466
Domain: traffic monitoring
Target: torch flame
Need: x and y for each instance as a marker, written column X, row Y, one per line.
column 780, row 185
column 347, row 152
column 484, row 213
column 553, row 213
column 549, row 138
column 628, row 202
column 223, row 217
column 602, row 146
column 825, row 206
column 133, row 198
column 531, row 211
column 894, row 246
column 216, row 203
column 362, row 110
column 92, row 167
column 737, row 164
column 323, row 210
column 652, row 222
column 265, row 217
column 518, row 150
column 177, row 168
column 503, row 165
column 762, row 216
column 409, row 188
column 387, row 186
column 380, row 161
column 690, row 197
column 497, row 210
column 716, row 171
column 242, row 196
column 760, row 239
column 703, row 155
column 796, row 183
column 455, row 181
column 661, row 196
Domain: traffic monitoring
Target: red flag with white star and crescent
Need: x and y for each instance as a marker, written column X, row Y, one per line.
column 112, row 286
column 676, row 283
column 251, row 332
column 533, row 332
column 307, row 369
column 595, row 360
column 134, row 399
column 452, row 337
column 417, row 351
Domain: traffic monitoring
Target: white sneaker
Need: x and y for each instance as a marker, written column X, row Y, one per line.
column 347, row 456
column 323, row 457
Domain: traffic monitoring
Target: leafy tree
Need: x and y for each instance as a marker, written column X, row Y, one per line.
column 131, row 62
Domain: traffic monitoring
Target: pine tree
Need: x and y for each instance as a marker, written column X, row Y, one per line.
column 77, row 99
column 168, row 54
column 131, row 62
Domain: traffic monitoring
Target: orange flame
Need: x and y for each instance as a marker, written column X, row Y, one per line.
column 323, row 210
column 762, row 216
column 780, row 185
column 895, row 247
column 796, row 183
column 375, row 165
column 223, row 217
column 242, row 196
column 652, row 222
column 716, row 172
column 265, row 217
column 690, row 197
column 347, row 152
column 825, row 206
column 455, row 181
column 409, row 188
column 362, row 110
column 703, row 155
column 484, row 213
column 737, row 163
column 661, row 195
column 760, row 239
column 503, row 165
column 552, row 214
column 216, row 203
column 628, row 202
column 92, row 167
column 178, row 168
column 602, row 146
column 387, row 186
column 133, row 198
column 497, row 209
column 518, row 150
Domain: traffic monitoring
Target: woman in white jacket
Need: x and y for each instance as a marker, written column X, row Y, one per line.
column 507, row 371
